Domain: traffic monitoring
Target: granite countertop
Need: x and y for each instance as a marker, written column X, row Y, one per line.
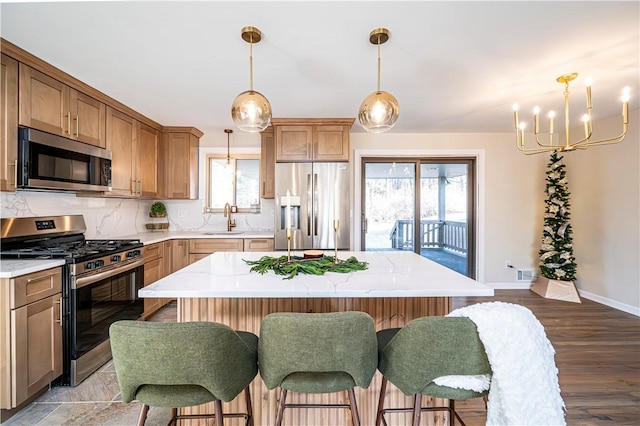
column 390, row 274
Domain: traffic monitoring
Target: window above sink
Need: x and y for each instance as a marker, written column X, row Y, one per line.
column 235, row 181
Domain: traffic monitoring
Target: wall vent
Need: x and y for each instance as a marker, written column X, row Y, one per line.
column 526, row 275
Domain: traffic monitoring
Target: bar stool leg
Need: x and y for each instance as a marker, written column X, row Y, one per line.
column 283, row 397
column 417, row 407
column 247, row 395
column 355, row 416
column 217, row 411
column 143, row 415
column 383, row 392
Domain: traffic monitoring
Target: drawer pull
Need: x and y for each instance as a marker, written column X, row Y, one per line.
column 44, row 277
column 59, row 320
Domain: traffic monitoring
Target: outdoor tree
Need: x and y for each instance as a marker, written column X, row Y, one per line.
column 556, row 254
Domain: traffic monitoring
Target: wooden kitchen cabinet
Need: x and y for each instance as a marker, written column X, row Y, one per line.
column 200, row 248
column 148, row 156
column 48, row 104
column 267, row 164
column 154, row 255
column 259, row 244
column 178, row 176
column 312, row 139
column 179, row 254
column 30, row 335
column 8, row 123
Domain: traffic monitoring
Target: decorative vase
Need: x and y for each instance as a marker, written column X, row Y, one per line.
column 556, row 289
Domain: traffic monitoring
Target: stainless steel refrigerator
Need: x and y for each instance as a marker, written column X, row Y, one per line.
column 318, row 195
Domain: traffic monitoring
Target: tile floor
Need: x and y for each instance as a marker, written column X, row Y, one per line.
column 94, row 402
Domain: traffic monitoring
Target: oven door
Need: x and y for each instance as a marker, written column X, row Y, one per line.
column 97, row 300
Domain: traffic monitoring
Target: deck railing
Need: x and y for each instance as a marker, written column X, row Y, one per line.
column 436, row 234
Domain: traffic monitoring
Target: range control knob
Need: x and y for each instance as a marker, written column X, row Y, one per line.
column 99, row 263
column 89, row 265
column 133, row 253
column 116, row 258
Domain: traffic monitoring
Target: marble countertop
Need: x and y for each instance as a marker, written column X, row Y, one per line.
column 157, row 237
column 390, row 274
column 11, row 268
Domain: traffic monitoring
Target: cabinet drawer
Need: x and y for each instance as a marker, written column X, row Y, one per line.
column 211, row 245
column 38, row 285
column 152, row 252
column 258, row 244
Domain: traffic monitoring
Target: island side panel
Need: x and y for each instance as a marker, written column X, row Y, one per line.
column 246, row 314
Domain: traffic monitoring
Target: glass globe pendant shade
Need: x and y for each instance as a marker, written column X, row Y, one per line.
column 379, row 112
column 251, row 111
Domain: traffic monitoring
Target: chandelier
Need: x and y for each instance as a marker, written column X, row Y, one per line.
column 552, row 145
column 250, row 110
column 379, row 111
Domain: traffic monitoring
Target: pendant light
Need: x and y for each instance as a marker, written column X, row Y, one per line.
column 251, row 111
column 379, row 111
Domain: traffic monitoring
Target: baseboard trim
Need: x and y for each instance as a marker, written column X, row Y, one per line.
column 633, row 310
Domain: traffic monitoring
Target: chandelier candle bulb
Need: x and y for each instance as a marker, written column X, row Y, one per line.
column 515, row 114
column 587, row 83
column 536, row 119
column 625, row 104
column 586, row 120
column 551, row 115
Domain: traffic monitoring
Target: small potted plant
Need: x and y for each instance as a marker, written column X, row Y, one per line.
column 158, row 209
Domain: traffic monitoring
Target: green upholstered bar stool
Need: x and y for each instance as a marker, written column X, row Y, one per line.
column 317, row 353
column 425, row 349
column 183, row 365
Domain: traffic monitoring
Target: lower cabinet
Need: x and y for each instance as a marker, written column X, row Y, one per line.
column 30, row 335
column 259, row 244
column 153, row 271
column 203, row 247
column 179, row 254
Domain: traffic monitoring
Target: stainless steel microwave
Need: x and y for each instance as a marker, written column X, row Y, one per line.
column 47, row 161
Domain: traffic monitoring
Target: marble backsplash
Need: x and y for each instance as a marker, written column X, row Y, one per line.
column 115, row 217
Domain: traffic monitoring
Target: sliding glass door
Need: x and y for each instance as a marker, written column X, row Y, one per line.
column 437, row 191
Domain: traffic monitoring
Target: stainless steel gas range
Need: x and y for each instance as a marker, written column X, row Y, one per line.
column 101, row 279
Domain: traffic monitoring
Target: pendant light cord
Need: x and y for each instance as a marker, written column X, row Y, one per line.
column 251, row 62
column 378, row 62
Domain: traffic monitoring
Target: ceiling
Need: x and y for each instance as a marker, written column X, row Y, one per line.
column 453, row 66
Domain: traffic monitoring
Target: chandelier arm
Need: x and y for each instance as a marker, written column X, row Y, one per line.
column 609, row 141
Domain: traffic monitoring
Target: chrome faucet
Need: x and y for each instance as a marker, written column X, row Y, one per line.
column 227, row 214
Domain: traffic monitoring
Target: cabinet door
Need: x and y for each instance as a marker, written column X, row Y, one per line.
column 212, row 245
column 180, row 166
column 88, row 118
column 167, row 259
column 180, row 254
column 331, row 143
column 44, row 102
column 294, row 143
column 258, row 244
column 148, row 146
column 121, row 141
column 8, row 123
column 267, row 165
column 36, row 337
column 152, row 273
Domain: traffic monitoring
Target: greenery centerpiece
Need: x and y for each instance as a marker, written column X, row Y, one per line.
column 290, row 267
column 556, row 260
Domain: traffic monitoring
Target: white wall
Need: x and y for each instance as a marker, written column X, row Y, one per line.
column 605, row 216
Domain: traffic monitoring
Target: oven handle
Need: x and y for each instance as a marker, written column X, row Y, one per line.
column 79, row 282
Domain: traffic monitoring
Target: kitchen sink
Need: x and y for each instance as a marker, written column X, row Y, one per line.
column 224, row 233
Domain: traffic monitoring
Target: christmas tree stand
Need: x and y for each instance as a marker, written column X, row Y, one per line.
column 555, row 289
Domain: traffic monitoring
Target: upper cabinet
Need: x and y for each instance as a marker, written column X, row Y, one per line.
column 8, row 123
column 178, row 170
column 49, row 105
column 122, row 142
column 148, row 157
column 312, row 139
column 267, row 164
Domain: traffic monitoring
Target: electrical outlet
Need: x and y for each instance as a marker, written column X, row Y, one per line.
column 181, row 212
column 507, row 264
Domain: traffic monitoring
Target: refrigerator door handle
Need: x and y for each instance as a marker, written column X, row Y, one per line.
column 309, row 205
column 315, row 204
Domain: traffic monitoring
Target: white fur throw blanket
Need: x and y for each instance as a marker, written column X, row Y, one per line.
column 524, row 386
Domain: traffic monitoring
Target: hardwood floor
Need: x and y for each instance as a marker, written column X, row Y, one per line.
column 597, row 355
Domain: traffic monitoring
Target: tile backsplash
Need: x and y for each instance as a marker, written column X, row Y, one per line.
column 114, row 217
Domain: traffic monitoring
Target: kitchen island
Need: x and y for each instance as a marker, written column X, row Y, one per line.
column 395, row 288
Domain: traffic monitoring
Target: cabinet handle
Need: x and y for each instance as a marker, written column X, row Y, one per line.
column 77, row 126
column 69, row 123
column 15, row 174
column 59, row 320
